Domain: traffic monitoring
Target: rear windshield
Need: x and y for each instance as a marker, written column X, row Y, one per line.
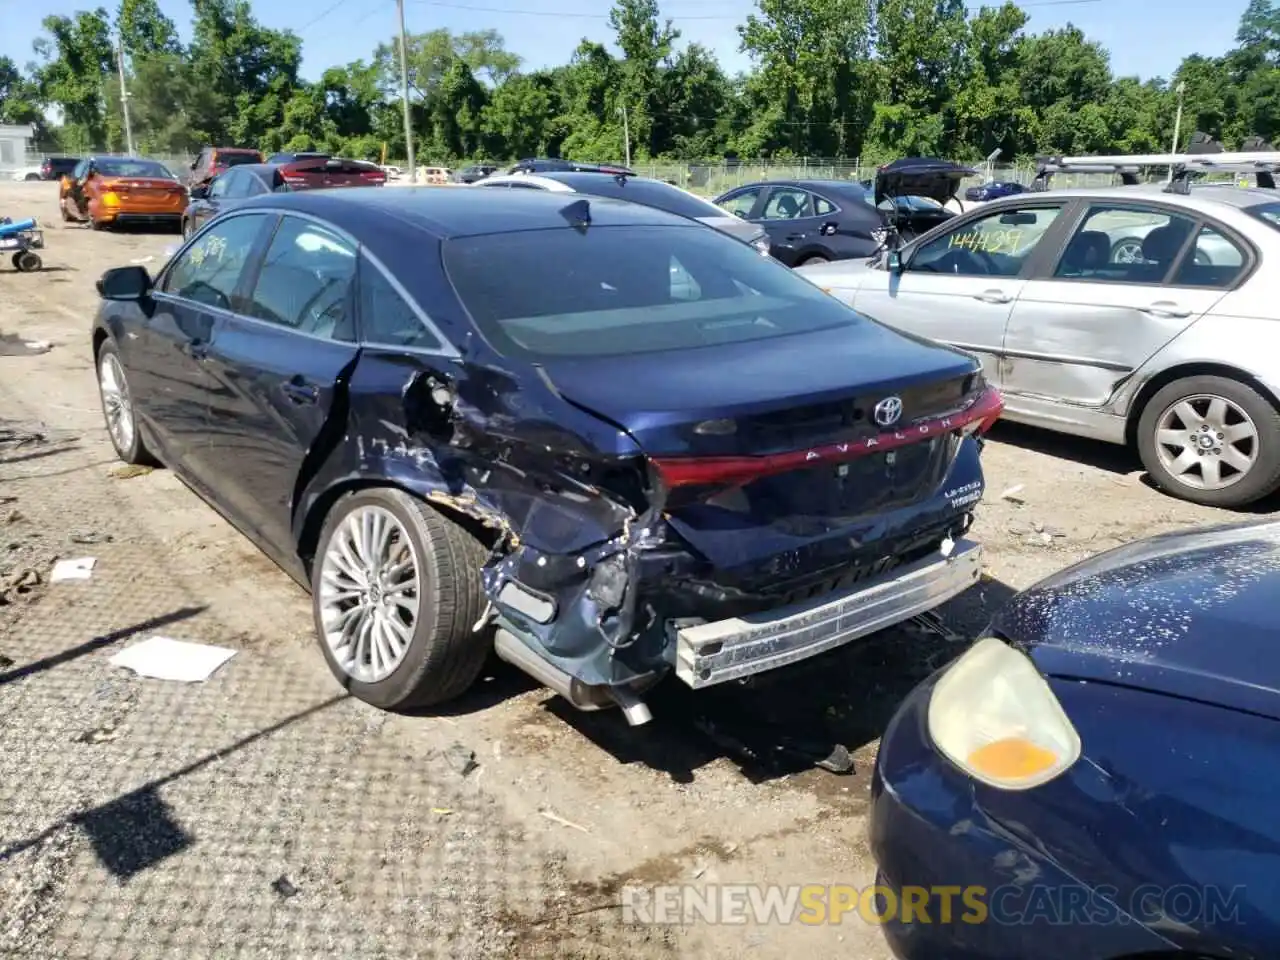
column 235, row 159
column 1268, row 213
column 648, row 192
column 611, row 290
column 119, row 167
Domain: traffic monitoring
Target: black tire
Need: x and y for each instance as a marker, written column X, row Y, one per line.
column 445, row 653
column 135, row 451
column 813, row 258
column 1262, row 478
column 27, row 262
column 31, row 177
column 186, row 230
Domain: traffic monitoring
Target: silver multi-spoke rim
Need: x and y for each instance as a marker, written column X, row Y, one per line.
column 369, row 594
column 1128, row 251
column 1206, row 442
column 115, row 402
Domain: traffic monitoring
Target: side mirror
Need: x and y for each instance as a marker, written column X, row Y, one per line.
column 893, row 261
column 194, row 164
column 200, row 192
column 125, row 283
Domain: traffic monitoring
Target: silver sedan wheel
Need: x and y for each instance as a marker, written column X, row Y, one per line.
column 369, row 594
column 116, row 405
column 1206, row 442
column 1128, row 250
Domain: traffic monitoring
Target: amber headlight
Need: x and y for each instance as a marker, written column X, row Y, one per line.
column 994, row 716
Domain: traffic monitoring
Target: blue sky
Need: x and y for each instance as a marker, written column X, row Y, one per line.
column 1145, row 38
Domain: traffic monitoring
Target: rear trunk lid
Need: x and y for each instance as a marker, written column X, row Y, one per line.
column 937, row 180
column 146, row 190
column 769, row 446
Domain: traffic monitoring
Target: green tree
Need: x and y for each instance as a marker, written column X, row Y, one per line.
column 76, row 60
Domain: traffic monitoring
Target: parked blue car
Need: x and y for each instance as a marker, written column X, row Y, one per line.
column 1098, row 776
column 603, row 440
column 994, row 190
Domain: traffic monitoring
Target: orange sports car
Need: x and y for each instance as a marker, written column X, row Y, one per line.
column 108, row 190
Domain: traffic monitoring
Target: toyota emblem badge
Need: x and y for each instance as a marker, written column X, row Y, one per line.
column 888, row 411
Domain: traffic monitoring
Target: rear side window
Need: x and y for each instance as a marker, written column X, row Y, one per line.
column 209, row 270
column 1125, row 244
column 1214, row 261
column 386, row 317
column 306, row 281
column 613, row 290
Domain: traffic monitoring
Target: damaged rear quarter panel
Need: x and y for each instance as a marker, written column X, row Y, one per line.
column 503, row 451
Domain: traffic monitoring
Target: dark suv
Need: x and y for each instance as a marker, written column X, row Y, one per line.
column 55, row 168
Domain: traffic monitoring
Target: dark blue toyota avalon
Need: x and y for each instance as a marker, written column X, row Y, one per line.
column 1097, row 776
column 604, row 441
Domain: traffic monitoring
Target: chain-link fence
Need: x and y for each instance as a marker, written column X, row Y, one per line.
column 713, row 179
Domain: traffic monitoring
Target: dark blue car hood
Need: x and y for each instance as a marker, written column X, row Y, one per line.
column 1191, row 615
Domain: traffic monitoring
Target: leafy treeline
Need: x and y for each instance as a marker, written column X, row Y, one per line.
column 831, row 78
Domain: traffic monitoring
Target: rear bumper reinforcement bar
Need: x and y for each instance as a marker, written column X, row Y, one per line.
column 711, row 653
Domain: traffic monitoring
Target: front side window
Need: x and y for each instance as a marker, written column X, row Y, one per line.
column 740, row 204
column 997, row 245
column 1125, row 244
column 386, row 317
column 209, row 270
column 612, row 290
column 306, row 281
column 786, row 203
column 218, row 186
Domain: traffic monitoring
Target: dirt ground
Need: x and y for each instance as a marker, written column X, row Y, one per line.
column 264, row 814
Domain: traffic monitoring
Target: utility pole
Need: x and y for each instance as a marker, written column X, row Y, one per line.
column 626, row 135
column 1177, row 124
column 404, row 93
column 124, row 96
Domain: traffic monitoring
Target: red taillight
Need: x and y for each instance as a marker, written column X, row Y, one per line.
column 734, row 471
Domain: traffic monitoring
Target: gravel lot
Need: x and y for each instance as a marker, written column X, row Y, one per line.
column 263, row 814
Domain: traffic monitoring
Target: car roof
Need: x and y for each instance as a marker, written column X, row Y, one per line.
column 457, row 213
column 1200, row 198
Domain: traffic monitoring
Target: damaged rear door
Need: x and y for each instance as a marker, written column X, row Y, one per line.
column 280, row 365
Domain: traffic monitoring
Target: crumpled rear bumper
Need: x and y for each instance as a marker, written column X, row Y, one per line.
column 711, row 653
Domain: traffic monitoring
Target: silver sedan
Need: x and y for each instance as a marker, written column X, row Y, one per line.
column 1124, row 314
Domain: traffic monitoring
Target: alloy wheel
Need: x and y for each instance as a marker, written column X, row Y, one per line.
column 1128, row 251
column 369, row 593
column 1206, row 442
column 116, row 403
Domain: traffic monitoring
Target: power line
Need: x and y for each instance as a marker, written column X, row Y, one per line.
column 562, row 14
column 326, row 12
column 378, row 8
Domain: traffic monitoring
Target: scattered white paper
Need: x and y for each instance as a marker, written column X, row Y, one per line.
column 163, row 658
column 78, row 569
column 142, row 260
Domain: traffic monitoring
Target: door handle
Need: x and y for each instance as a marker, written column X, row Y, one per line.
column 1165, row 308
column 992, row 296
column 299, row 391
